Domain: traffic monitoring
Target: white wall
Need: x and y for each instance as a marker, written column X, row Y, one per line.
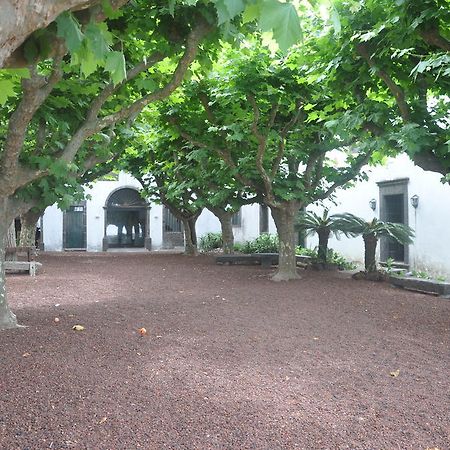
column 52, row 228
column 431, row 248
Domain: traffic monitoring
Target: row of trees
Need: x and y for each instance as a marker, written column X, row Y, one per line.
column 70, row 78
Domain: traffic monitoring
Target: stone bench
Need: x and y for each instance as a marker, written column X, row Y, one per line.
column 264, row 259
column 27, row 264
column 22, row 266
column 435, row 287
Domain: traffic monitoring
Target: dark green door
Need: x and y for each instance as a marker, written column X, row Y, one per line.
column 75, row 228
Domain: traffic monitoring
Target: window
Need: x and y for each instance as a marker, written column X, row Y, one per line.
column 236, row 219
column 263, row 219
column 171, row 223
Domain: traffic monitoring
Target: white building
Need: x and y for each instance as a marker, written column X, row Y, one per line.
column 116, row 216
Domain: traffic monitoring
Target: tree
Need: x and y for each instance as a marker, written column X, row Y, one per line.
column 324, row 226
column 371, row 233
column 393, row 57
column 148, row 33
column 265, row 120
column 57, row 120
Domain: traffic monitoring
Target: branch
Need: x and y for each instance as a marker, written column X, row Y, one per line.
column 349, row 176
column 36, row 89
column 282, row 143
column 93, row 125
column 395, row 89
column 19, row 19
column 262, row 141
column 192, row 44
column 432, row 37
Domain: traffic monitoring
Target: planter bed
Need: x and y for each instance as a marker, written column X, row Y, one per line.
column 435, row 287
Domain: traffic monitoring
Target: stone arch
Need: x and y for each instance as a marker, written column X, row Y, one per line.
column 126, row 219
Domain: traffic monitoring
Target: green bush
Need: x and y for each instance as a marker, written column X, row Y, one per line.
column 333, row 257
column 266, row 243
column 210, row 241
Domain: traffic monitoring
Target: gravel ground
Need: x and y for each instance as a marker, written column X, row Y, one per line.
column 231, row 360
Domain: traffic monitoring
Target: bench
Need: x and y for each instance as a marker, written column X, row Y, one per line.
column 28, row 264
column 264, row 259
column 435, row 287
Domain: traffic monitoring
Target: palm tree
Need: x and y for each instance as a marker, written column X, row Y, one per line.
column 323, row 225
column 371, row 232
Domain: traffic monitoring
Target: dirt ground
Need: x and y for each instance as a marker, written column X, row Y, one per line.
column 231, row 360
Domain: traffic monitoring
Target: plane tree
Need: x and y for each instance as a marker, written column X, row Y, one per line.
column 264, row 118
column 178, row 174
column 394, row 58
column 45, row 125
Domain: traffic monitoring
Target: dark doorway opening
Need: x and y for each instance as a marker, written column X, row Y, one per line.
column 394, row 208
column 74, row 226
column 126, row 219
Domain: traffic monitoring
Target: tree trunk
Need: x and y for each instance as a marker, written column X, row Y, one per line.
column 322, row 252
column 28, row 223
column 10, row 240
column 284, row 217
column 190, row 236
column 7, row 317
column 370, row 247
column 226, row 228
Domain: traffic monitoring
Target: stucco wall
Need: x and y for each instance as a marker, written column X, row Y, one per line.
column 431, row 248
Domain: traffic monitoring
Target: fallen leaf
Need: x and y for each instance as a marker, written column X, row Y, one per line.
column 395, row 373
column 103, row 420
column 78, row 328
column 26, row 355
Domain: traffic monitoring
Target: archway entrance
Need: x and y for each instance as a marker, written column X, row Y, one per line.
column 126, row 224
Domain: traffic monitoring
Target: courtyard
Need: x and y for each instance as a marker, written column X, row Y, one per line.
column 231, row 360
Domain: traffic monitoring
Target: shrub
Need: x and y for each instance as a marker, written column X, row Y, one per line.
column 266, row 243
column 333, row 257
column 210, row 241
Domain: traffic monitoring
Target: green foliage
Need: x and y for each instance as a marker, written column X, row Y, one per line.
column 353, row 225
column 210, row 241
column 333, row 257
column 265, row 243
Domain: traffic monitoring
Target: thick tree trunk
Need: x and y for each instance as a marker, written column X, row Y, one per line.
column 226, row 228
column 28, row 223
column 10, row 240
column 370, row 247
column 20, row 18
column 284, row 217
column 322, row 252
column 190, row 236
column 7, row 317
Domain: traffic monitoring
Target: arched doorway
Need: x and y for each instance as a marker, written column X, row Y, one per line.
column 126, row 224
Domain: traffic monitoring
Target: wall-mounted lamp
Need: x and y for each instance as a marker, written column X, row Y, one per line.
column 415, row 201
column 373, row 204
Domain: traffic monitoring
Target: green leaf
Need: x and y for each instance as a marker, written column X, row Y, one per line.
column 282, row 19
column 251, row 13
column 88, row 62
column 115, row 65
column 6, row 90
column 69, row 29
column 335, row 19
column 99, row 39
column 234, row 7
column 109, row 11
column 172, row 7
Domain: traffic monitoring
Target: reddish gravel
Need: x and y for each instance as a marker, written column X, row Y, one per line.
column 231, row 359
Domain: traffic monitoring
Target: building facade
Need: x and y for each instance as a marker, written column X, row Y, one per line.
column 116, row 216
